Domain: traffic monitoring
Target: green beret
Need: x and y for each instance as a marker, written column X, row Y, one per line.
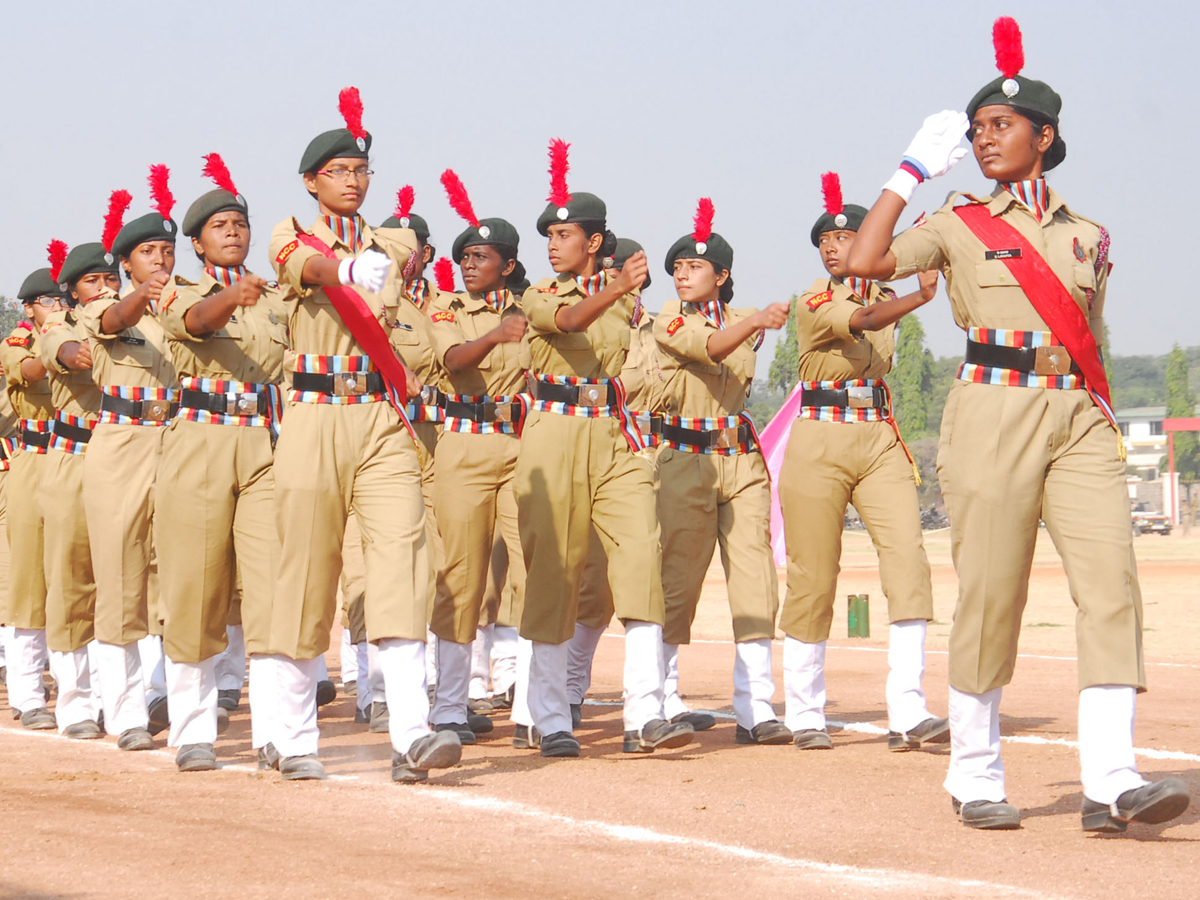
column 1031, row 98
column 851, row 217
column 581, row 208
column 336, row 144
column 208, row 206
column 38, row 284
column 418, row 224
column 491, row 232
column 150, row 227
column 625, row 249
column 85, row 259
column 716, row 250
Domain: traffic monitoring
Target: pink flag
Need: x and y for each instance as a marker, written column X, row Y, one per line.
column 774, row 440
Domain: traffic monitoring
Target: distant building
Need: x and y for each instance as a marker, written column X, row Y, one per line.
column 1145, row 443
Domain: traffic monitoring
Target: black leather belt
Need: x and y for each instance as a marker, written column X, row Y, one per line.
column 146, row 410
column 489, row 411
column 862, row 397
column 576, row 394
column 35, row 438
column 721, row 438
column 246, row 404
column 339, row 384
column 1038, row 360
column 72, row 432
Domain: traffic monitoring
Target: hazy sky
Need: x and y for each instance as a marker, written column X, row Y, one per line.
column 663, row 102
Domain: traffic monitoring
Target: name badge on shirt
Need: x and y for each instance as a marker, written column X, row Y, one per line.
column 136, row 341
column 1014, row 253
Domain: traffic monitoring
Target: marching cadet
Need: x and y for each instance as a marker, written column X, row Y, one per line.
column 642, row 379
column 1027, row 434
column 844, row 447
column 577, row 468
column 713, row 482
column 347, row 445
column 479, row 342
column 29, row 392
column 227, row 336
column 133, row 369
column 70, row 582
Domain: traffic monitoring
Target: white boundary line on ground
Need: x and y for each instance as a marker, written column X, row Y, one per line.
column 886, row 879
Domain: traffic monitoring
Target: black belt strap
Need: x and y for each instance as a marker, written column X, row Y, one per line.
column 132, row 409
column 219, row 403
column 72, row 432
column 1020, row 359
column 571, row 393
column 35, row 438
column 841, row 397
column 326, row 384
column 482, row 412
column 698, row 438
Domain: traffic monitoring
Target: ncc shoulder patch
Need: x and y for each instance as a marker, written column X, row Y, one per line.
column 286, row 252
column 169, row 299
column 443, row 316
column 20, row 340
column 674, row 325
column 815, row 301
column 50, row 325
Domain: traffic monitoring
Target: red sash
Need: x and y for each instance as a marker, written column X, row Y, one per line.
column 366, row 330
column 1051, row 300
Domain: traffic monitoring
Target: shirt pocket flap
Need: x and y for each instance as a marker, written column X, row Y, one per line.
column 994, row 273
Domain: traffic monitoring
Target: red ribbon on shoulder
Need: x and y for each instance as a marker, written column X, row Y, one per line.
column 366, row 330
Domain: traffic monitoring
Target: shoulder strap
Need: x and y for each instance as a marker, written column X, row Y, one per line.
column 1050, row 298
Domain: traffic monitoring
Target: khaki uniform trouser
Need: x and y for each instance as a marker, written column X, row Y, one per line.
column 331, row 460
column 5, row 556
column 216, row 506
column 572, row 474
column 475, row 501
column 70, row 583
column 354, row 578
column 119, row 474
column 708, row 499
column 26, row 588
column 826, row 466
column 1007, row 457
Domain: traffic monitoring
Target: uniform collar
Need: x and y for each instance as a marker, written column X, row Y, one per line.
column 221, row 276
column 331, row 238
column 475, row 301
column 570, row 282
column 1002, row 200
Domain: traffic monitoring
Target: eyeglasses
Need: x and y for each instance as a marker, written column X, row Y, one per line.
column 47, row 302
column 341, row 173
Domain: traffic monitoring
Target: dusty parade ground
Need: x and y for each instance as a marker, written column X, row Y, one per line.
column 714, row 819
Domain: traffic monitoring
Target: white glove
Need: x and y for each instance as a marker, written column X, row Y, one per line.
column 934, row 151
column 368, row 270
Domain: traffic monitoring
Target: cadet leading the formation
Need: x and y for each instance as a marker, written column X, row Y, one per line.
column 1028, row 434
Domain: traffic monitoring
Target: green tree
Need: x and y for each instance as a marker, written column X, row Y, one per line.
column 1181, row 404
column 785, row 364
column 11, row 312
column 911, row 379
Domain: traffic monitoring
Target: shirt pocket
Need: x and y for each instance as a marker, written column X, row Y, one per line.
column 1084, row 276
column 131, row 348
column 994, row 273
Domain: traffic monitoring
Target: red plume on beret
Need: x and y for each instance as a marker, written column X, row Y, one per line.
column 460, row 201
column 404, row 201
column 702, row 223
column 215, row 168
column 1010, row 51
column 559, row 166
column 351, row 108
column 118, row 202
column 443, row 273
column 57, row 254
column 160, row 193
column 831, row 191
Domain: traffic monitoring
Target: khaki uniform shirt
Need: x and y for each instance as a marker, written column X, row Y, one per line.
column 457, row 319
column 694, row 385
column 598, row 352
column 829, row 350
column 30, row 399
column 312, row 323
column 412, row 339
column 642, row 374
column 250, row 347
column 135, row 357
column 983, row 292
column 8, row 417
column 74, row 390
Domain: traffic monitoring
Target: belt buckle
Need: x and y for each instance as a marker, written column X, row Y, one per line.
column 429, row 395
column 593, row 395
column 349, row 384
column 1051, row 361
column 241, row 404
column 727, row 438
column 501, row 412
column 645, row 424
column 860, row 397
column 156, row 410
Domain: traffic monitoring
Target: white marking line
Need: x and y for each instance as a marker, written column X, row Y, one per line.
column 890, row 879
